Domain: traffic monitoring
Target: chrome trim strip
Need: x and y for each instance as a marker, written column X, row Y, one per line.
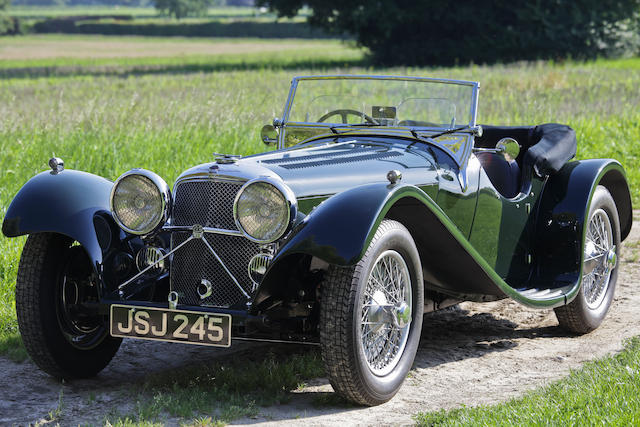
column 152, row 265
column 377, row 77
column 373, row 129
column 225, row 268
column 474, row 104
column 285, row 113
column 211, row 230
column 209, row 177
column 274, row 341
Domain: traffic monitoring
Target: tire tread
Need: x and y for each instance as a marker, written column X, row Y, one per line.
column 575, row 316
column 30, row 271
column 338, row 353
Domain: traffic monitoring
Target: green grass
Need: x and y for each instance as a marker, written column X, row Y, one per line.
column 232, row 388
column 604, row 392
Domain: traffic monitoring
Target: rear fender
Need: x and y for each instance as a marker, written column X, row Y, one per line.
column 564, row 207
column 63, row 202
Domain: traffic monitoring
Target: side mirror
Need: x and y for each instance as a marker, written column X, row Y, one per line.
column 269, row 134
column 509, row 148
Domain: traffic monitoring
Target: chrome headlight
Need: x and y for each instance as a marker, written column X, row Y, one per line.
column 263, row 210
column 140, row 201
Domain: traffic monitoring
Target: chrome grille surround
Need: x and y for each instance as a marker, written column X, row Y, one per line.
column 209, row 203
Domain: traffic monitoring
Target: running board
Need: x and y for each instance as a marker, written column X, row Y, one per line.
column 542, row 295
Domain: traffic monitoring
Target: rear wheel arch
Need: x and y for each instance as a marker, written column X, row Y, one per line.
column 614, row 181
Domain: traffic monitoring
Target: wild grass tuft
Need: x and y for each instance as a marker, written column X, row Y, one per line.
column 230, row 389
column 604, row 392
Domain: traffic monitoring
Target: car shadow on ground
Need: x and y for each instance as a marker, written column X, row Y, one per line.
column 456, row 334
column 448, row 335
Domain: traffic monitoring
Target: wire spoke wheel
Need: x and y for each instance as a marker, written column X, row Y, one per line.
column 371, row 317
column 599, row 267
column 599, row 258
column 386, row 296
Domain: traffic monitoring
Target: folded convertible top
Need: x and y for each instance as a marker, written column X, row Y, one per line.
column 545, row 147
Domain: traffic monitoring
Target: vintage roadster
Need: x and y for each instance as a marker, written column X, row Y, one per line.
column 383, row 200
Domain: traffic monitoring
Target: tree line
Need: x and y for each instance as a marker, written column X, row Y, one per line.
column 428, row 32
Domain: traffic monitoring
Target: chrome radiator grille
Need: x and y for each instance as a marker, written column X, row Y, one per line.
column 210, row 204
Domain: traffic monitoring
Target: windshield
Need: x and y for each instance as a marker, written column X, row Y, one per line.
column 382, row 101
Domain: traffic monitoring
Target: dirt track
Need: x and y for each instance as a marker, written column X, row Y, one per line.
column 472, row 354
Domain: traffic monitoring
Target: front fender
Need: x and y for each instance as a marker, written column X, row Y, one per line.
column 61, row 202
column 562, row 220
column 340, row 229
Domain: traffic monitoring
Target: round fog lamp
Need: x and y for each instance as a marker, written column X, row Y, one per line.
column 150, row 256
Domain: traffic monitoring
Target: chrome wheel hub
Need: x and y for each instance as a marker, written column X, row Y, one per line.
column 600, row 258
column 385, row 314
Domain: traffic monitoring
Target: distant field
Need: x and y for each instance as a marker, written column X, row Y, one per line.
column 33, row 48
column 52, row 12
column 74, row 55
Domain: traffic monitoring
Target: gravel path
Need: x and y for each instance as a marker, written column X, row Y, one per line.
column 469, row 355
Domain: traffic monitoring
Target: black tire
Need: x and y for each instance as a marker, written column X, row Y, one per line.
column 581, row 315
column 342, row 293
column 62, row 349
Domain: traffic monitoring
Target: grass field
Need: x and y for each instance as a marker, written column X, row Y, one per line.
column 604, row 392
column 125, row 107
column 81, row 55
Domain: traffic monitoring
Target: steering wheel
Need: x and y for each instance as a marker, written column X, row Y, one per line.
column 344, row 112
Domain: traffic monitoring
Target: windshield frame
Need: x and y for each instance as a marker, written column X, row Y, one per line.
column 284, row 123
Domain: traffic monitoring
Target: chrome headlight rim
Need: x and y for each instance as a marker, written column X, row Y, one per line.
column 165, row 197
column 289, row 197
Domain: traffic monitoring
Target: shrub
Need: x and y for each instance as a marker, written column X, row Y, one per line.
column 163, row 28
column 10, row 25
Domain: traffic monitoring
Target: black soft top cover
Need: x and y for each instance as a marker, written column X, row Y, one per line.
column 545, row 147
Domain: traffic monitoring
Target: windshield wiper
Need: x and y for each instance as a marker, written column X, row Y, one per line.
column 476, row 130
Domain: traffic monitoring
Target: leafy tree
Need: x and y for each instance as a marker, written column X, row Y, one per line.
column 182, row 8
column 4, row 4
column 424, row 32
